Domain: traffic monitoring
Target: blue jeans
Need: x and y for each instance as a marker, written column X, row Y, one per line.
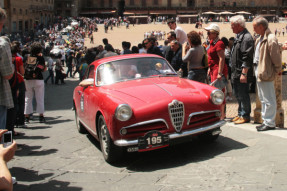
column 3, row 116
column 267, row 96
column 241, row 92
column 197, row 75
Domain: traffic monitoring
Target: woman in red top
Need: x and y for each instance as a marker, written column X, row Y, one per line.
column 216, row 57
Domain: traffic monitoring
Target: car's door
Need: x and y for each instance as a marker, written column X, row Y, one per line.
column 85, row 99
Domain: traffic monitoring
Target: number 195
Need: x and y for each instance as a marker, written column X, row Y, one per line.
column 154, row 140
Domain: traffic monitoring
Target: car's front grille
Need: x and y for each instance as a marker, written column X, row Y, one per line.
column 176, row 113
column 203, row 118
column 142, row 128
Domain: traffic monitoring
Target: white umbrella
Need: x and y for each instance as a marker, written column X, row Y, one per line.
column 243, row 12
column 74, row 23
column 209, row 13
column 69, row 28
column 226, row 13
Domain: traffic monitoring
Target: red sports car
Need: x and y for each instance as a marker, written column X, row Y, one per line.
column 137, row 103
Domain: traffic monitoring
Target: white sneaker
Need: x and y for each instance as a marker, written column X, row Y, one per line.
column 14, row 180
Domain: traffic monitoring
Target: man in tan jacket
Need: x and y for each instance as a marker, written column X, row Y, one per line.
column 267, row 63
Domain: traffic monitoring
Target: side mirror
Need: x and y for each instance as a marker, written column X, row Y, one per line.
column 87, row 82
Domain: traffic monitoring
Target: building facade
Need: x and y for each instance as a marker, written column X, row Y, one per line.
column 94, row 7
column 27, row 15
column 67, row 8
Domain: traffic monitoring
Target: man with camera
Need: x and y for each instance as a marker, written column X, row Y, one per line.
column 6, row 73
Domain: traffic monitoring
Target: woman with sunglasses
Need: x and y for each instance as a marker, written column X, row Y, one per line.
column 216, row 57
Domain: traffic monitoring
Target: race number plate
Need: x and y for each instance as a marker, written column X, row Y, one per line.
column 153, row 140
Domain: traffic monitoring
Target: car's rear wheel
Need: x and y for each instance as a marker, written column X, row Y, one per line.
column 110, row 151
column 81, row 129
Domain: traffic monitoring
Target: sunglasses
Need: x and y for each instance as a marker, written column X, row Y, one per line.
column 146, row 42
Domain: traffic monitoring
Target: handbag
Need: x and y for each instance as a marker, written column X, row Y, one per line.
column 219, row 83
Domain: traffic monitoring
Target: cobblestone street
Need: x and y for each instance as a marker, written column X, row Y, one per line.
column 54, row 156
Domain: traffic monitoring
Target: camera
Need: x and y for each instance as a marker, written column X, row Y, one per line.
column 6, row 139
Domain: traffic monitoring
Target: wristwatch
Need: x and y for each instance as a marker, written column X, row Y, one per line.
column 244, row 74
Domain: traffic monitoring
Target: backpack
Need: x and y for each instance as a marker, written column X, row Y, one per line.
column 30, row 67
column 14, row 80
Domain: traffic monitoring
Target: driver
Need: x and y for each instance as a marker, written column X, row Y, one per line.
column 128, row 71
column 147, row 69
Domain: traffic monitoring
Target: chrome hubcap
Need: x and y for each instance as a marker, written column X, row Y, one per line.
column 104, row 139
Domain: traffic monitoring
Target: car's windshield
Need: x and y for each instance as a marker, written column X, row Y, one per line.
column 130, row 69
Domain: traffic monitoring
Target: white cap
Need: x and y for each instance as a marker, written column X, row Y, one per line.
column 213, row 26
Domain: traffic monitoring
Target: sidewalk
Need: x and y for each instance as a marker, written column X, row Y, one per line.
column 231, row 106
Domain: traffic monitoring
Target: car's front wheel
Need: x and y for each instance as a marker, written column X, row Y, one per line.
column 110, row 151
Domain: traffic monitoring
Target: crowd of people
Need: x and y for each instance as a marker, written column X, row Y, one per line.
column 236, row 62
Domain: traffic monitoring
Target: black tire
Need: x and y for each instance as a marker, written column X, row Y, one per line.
column 81, row 129
column 111, row 152
column 207, row 137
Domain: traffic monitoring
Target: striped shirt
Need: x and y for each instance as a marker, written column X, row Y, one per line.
column 6, row 69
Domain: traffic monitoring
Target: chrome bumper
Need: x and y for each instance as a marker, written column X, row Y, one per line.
column 124, row 143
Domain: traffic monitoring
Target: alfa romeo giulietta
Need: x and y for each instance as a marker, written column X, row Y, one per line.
column 138, row 103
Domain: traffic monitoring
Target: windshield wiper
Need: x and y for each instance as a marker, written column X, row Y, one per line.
column 168, row 74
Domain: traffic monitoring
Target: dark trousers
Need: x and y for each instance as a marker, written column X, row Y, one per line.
column 51, row 75
column 11, row 114
column 21, row 104
column 241, row 92
column 59, row 76
column 197, row 75
column 70, row 69
column 77, row 70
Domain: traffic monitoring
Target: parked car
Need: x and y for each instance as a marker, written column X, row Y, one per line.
column 137, row 103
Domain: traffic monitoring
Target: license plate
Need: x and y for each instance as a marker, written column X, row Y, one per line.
column 153, row 140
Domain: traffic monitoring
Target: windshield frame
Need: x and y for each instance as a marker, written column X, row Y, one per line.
column 172, row 72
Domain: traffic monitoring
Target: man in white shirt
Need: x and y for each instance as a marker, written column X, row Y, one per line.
column 181, row 36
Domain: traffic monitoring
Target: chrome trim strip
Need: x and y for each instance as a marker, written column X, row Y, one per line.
column 163, row 89
column 198, row 113
column 146, row 123
column 124, row 143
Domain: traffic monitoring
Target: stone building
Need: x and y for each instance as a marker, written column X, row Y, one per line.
column 67, row 8
column 108, row 7
column 26, row 15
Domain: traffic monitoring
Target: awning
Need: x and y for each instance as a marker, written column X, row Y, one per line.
column 139, row 16
column 128, row 13
column 209, row 13
column 226, row 13
column 187, row 15
column 243, row 12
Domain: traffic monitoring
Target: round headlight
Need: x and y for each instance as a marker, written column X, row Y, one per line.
column 217, row 97
column 123, row 112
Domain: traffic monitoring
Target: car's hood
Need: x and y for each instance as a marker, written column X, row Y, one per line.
column 156, row 89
